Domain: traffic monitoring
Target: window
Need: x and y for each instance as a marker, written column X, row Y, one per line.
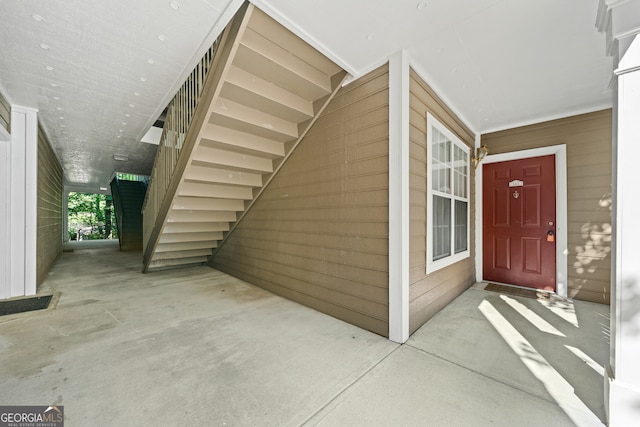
column 447, row 197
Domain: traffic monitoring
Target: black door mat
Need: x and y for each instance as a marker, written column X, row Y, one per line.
column 23, row 305
column 516, row 291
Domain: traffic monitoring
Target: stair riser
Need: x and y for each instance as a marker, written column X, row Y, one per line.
column 267, row 89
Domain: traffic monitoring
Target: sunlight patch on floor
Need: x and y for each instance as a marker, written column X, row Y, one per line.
column 532, row 317
column 559, row 389
column 586, row 359
column 564, row 309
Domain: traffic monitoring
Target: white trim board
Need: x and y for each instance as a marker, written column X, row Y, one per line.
column 549, row 117
column 5, row 203
column 433, row 266
column 399, row 197
column 560, row 151
column 5, row 225
column 23, row 211
column 4, row 134
column 445, row 100
column 292, row 26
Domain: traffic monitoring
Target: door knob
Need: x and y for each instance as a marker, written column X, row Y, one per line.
column 551, row 236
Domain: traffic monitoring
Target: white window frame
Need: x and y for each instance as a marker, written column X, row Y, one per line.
column 432, row 266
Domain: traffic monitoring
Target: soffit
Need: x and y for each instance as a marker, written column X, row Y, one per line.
column 100, row 72
column 498, row 63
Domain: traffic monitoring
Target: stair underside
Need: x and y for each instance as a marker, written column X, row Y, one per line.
column 273, row 87
column 131, row 196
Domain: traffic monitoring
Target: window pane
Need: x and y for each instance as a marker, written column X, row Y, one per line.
column 448, row 196
column 436, row 167
column 440, row 176
column 440, row 162
column 441, row 227
column 441, row 146
column 460, row 172
column 460, row 215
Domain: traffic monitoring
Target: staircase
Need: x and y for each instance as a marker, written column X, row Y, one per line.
column 265, row 90
column 128, row 197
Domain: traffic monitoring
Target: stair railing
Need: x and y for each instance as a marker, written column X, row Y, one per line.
column 180, row 112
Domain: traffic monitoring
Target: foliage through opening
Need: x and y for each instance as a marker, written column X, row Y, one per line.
column 91, row 217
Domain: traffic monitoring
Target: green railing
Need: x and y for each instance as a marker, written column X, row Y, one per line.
column 132, row 177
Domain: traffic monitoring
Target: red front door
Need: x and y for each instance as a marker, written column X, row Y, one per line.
column 519, row 222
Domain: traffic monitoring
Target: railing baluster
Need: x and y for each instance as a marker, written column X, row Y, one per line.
column 180, row 112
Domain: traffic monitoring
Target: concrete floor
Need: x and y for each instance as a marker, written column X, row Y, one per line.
column 197, row 347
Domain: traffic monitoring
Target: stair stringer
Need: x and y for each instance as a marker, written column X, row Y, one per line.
column 227, row 45
column 253, row 120
column 340, row 79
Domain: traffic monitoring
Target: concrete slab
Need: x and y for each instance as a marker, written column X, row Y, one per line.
column 554, row 350
column 91, row 244
column 191, row 346
column 198, row 347
column 413, row 388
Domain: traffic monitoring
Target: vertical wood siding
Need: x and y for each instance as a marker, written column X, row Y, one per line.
column 49, row 245
column 319, row 233
column 5, row 114
column 430, row 293
column 588, row 141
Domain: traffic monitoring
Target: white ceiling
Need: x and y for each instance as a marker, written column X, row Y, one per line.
column 116, row 64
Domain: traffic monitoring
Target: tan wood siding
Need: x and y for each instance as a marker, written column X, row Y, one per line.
column 50, row 191
column 319, row 233
column 588, row 141
column 5, row 114
column 430, row 293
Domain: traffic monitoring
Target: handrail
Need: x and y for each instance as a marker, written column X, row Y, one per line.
column 180, row 112
column 158, row 203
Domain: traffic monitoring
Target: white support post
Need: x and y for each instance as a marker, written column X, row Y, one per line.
column 624, row 371
column 23, row 211
column 5, row 226
column 478, row 214
column 399, row 197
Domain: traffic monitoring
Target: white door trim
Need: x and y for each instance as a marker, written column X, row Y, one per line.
column 560, row 151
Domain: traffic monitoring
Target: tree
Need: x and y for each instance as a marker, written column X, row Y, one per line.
column 87, row 215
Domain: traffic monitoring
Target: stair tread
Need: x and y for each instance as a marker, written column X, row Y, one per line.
column 241, row 142
column 240, row 117
column 263, row 23
column 273, row 63
column 249, row 89
column 271, row 87
column 237, row 161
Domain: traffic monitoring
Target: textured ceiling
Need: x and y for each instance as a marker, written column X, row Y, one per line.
column 498, row 63
column 100, row 72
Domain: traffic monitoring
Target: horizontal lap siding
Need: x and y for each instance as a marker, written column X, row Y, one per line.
column 49, row 245
column 319, row 233
column 430, row 293
column 588, row 141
